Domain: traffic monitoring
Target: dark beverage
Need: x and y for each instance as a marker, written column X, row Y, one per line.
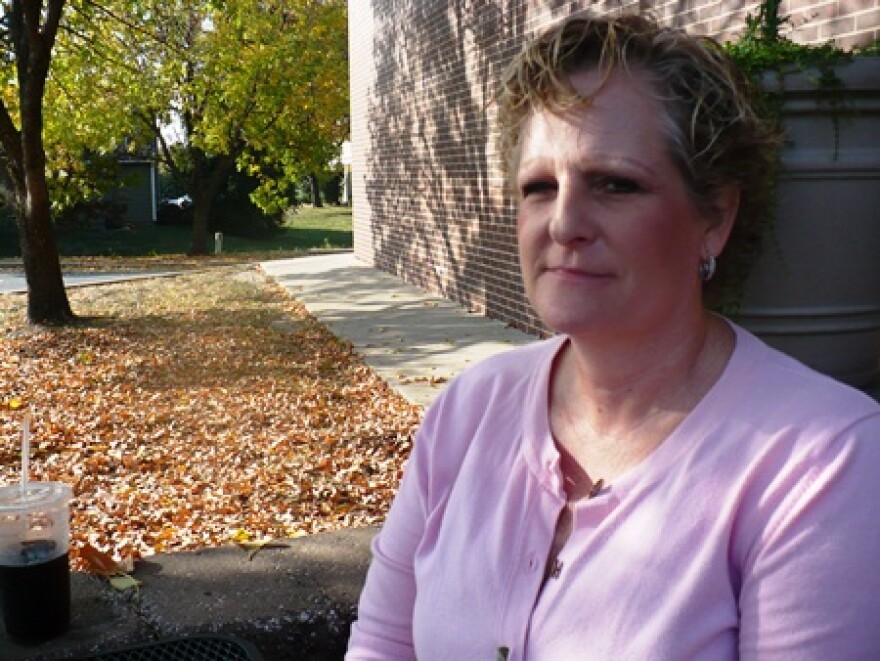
column 34, row 571
column 36, row 599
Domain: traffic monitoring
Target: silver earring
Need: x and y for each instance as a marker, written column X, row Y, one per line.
column 707, row 268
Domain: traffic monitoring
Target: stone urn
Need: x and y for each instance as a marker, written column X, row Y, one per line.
column 815, row 291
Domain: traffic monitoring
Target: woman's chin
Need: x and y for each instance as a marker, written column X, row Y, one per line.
column 572, row 321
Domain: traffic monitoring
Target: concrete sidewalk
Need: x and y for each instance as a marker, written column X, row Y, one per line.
column 294, row 602
column 415, row 341
column 15, row 283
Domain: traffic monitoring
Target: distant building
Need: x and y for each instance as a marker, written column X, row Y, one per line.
column 138, row 190
column 345, row 159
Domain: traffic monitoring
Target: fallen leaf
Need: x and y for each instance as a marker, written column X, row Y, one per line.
column 180, row 416
column 124, row 582
column 240, row 536
column 98, row 562
column 255, row 547
column 126, row 565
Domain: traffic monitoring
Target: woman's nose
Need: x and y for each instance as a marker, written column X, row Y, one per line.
column 572, row 219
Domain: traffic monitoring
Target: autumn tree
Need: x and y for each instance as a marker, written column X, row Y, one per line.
column 87, row 128
column 27, row 36
column 260, row 86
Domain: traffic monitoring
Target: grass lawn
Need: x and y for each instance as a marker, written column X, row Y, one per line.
column 305, row 229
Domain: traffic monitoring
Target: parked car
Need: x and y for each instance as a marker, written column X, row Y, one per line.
column 175, row 211
column 182, row 202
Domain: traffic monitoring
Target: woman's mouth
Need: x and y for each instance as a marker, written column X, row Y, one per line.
column 574, row 273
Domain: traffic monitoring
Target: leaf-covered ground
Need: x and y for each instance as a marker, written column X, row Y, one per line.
column 194, row 410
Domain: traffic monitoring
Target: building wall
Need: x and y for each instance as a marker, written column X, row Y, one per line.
column 137, row 191
column 429, row 202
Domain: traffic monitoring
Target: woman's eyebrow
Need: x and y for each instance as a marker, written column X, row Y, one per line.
column 587, row 164
column 610, row 161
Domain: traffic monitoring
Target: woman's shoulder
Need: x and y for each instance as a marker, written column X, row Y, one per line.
column 780, row 387
column 482, row 412
column 500, row 387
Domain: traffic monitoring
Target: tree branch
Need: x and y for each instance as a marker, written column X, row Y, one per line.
column 53, row 17
column 10, row 139
column 96, row 50
column 136, row 28
column 164, row 148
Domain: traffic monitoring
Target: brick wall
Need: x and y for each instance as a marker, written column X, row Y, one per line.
column 428, row 198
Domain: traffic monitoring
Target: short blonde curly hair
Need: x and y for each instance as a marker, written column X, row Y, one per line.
column 712, row 131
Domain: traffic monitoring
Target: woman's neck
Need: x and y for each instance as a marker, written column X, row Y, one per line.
column 620, row 377
column 614, row 402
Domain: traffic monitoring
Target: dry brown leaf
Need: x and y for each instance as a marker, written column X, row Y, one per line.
column 98, row 562
column 256, row 546
column 179, row 414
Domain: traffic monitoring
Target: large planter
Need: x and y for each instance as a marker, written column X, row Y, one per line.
column 815, row 291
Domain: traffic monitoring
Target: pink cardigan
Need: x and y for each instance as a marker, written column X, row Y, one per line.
column 753, row 531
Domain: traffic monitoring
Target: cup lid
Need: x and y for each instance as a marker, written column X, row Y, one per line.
column 35, row 494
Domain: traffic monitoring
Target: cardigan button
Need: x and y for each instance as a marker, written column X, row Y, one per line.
column 533, row 563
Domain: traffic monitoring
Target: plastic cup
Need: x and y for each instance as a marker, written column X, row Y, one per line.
column 34, row 565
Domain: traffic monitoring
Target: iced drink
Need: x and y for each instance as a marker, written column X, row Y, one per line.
column 34, row 569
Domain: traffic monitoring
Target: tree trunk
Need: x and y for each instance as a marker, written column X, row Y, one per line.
column 316, row 190
column 207, row 183
column 198, row 243
column 47, row 297
column 25, row 159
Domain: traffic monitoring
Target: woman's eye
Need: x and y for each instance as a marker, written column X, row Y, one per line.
column 616, row 185
column 538, row 188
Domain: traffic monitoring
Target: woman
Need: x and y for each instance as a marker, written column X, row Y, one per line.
column 653, row 482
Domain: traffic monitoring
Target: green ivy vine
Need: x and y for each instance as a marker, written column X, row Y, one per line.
column 761, row 51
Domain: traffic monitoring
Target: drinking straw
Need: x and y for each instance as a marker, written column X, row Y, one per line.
column 25, row 451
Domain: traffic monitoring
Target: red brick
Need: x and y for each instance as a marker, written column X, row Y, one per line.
column 869, row 20
column 429, row 201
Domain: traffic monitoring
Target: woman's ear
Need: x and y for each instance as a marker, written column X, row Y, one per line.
column 727, row 205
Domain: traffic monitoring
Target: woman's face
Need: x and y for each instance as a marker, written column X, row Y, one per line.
column 609, row 239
